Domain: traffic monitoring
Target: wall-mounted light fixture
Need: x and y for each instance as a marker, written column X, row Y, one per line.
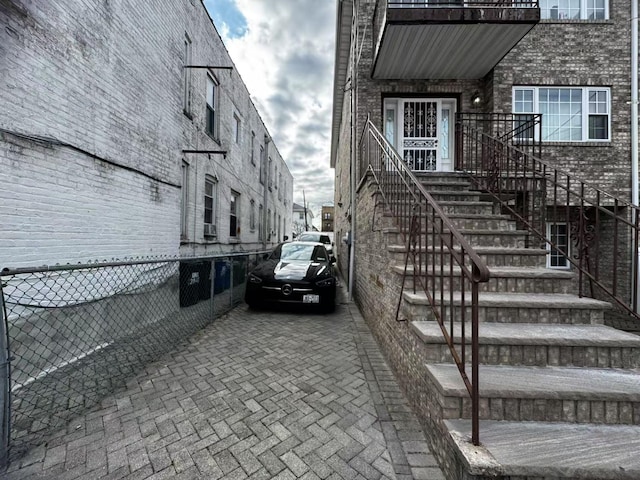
column 476, row 100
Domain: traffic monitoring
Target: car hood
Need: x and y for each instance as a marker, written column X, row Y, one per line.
column 291, row 270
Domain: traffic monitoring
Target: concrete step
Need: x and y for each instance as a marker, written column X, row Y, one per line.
column 538, row 450
column 538, row 345
column 510, row 308
column 483, row 222
column 443, row 177
column 492, row 256
column 452, row 207
column 503, row 279
column 541, row 394
column 435, row 185
column 440, row 195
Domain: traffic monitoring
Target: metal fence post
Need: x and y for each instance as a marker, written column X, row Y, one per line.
column 212, row 311
column 5, row 382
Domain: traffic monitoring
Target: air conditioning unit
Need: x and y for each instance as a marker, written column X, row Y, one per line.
column 209, row 230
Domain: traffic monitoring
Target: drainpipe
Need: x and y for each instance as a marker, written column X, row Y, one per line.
column 634, row 136
column 354, row 147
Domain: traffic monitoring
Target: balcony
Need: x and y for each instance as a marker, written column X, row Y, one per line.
column 447, row 39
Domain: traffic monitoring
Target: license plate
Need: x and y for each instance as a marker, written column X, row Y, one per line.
column 311, row 299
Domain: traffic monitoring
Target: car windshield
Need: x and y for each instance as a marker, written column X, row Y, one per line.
column 300, row 251
column 314, row 237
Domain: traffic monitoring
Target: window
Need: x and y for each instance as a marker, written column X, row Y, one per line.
column 269, row 224
column 279, row 186
column 260, row 223
column 270, row 175
column 262, row 164
column 210, row 188
column 558, row 235
column 212, row 107
column 279, row 231
column 574, row 9
column 236, row 128
column 186, row 101
column 234, row 214
column 252, row 215
column 253, row 146
column 569, row 114
column 184, row 203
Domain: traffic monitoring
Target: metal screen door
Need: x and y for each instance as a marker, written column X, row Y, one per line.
column 420, row 133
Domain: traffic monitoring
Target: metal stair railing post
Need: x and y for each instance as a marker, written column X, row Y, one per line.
column 404, row 195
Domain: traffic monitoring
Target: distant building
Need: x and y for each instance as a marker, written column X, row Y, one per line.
column 327, row 218
column 127, row 132
column 300, row 223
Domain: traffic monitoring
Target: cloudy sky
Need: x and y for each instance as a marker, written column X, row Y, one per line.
column 284, row 51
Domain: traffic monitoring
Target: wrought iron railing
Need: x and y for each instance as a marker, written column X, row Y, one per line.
column 72, row 334
column 438, row 259
column 501, row 154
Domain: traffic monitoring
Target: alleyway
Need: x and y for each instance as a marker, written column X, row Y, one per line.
column 258, row 395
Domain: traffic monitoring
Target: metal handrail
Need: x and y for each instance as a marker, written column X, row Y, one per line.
column 434, row 245
column 537, row 194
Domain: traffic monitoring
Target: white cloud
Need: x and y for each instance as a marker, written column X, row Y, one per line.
column 286, row 58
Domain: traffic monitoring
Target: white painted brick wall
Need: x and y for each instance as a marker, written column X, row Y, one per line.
column 107, row 78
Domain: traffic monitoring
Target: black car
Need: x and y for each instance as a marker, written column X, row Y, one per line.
column 295, row 272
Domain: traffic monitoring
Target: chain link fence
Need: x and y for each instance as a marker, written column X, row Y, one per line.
column 74, row 334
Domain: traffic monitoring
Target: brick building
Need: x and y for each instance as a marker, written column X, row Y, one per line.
column 503, row 130
column 127, row 132
column 327, row 218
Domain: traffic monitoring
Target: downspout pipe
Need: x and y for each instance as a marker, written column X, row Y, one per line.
column 354, row 149
column 634, row 137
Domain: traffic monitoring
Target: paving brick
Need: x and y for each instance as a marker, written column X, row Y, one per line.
column 274, row 407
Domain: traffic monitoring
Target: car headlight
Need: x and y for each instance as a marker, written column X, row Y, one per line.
column 325, row 283
column 254, row 279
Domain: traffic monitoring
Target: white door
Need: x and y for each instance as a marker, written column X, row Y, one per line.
column 421, row 130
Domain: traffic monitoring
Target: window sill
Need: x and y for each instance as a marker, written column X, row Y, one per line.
column 565, row 21
column 187, row 114
column 603, row 143
column 212, row 137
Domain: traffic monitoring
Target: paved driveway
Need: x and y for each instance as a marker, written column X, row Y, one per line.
column 259, row 395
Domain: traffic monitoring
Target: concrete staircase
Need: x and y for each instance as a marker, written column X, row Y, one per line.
column 560, row 391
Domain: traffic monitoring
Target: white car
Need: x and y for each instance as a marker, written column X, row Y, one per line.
column 321, row 237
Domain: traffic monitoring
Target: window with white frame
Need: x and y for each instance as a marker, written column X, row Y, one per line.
column 184, row 201
column 569, row 114
column 262, row 162
column 574, row 9
column 236, row 128
column 212, row 107
column 210, row 191
column 253, row 146
column 234, row 214
column 252, row 215
column 558, row 236
column 186, row 101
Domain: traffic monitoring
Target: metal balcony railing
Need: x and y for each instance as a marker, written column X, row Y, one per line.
column 436, row 250
column 502, row 155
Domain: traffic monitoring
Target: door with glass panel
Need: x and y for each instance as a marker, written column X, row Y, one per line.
column 421, row 130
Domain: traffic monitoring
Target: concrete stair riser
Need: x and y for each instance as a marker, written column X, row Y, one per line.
column 565, row 316
column 542, row 355
column 479, row 238
column 545, row 410
column 495, row 257
column 497, row 284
